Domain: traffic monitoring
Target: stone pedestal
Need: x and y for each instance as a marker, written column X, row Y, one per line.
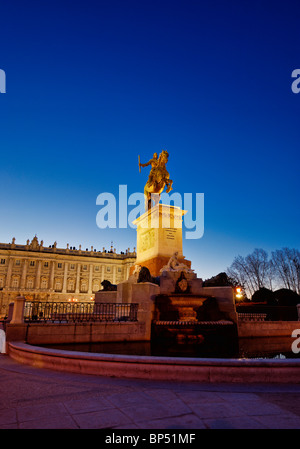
column 18, row 311
column 10, row 312
column 106, row 297
column 144, row 294
column 124, row 294
column 159, row 235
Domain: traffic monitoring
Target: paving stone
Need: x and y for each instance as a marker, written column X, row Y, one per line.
column 289, row 401
column 199, row 397
column 9, row 426
column 104, row 419
column 128, row 426
column 53, row 422
column 131, row 398
column 178, row 406
column 189, row 421
column 282, row 421
column 7, row 416
column 259, row 407
column 146, row 412
column 40, row 411
column 87, row 405
column 241, row 422
column 237, row 396
column 161, row 394
column 216, row 410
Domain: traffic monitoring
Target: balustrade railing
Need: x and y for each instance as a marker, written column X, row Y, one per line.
column 252, row 316
column 78, row 312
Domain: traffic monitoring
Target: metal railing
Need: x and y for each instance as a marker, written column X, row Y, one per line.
column 252, row 316
column 273, row 313
column 78, row 312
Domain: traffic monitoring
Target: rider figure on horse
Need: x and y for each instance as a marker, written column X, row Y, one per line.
column 158, row 177
column 154, row 164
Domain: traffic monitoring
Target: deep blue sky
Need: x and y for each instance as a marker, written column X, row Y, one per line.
column 92, row 84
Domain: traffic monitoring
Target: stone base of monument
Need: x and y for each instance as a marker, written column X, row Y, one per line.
column 179, row 309
column 180, row 303
column 155, row 264
column 159, row 236
column 191, row 318
column 179, row 299
column 103, row 297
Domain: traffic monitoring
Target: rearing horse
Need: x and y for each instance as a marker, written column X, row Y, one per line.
column 158, row 179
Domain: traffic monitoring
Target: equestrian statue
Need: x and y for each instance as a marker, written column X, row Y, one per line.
column 158, row 179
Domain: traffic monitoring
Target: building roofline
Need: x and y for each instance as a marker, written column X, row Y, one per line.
column 38, row 249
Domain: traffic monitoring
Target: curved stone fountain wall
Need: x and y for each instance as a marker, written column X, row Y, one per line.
column 158, row 368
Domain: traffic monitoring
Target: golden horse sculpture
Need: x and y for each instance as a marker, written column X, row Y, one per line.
column 158, row 178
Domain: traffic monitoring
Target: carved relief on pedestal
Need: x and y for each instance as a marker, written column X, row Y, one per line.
column 146, row 240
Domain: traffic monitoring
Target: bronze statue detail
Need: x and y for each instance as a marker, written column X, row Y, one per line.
column 108, row 286
column 145, row 276
column 158, row 179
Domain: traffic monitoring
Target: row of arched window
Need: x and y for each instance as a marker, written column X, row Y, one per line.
column 57, row 285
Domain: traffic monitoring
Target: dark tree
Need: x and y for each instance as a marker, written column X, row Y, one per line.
column 220, row 280
column 264, row 295
column 286, row 297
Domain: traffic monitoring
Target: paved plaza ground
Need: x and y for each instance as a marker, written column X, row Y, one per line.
column 33, row 398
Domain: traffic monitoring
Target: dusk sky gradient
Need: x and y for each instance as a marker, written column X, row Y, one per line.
column 91, row 85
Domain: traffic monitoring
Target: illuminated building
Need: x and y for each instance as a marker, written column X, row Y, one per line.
column 57, row 274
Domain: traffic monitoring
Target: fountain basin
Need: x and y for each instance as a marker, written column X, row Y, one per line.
column 158, row 368
column 186, row 305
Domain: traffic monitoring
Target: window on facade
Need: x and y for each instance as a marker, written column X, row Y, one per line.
column 107, row 268
column 96, row 286
column 2, row 261
column 72, row 266
column 18, row 262
column 30, row 283
column 119, row 270
column 32, row 263
column 58, row 286
column 71, row 285
column 97, row 268
column 84, row 267
column 15, row 282
column 59, row 265
column 44, row 283
column 84, row 287
column 46, row 264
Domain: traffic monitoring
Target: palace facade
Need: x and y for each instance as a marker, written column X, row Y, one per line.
column 57, row 274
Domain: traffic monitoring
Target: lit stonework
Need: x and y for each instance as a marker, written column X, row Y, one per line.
column 57, row 274
column 159, row 236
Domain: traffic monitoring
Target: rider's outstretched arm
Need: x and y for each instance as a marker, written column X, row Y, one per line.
column 145, row 165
